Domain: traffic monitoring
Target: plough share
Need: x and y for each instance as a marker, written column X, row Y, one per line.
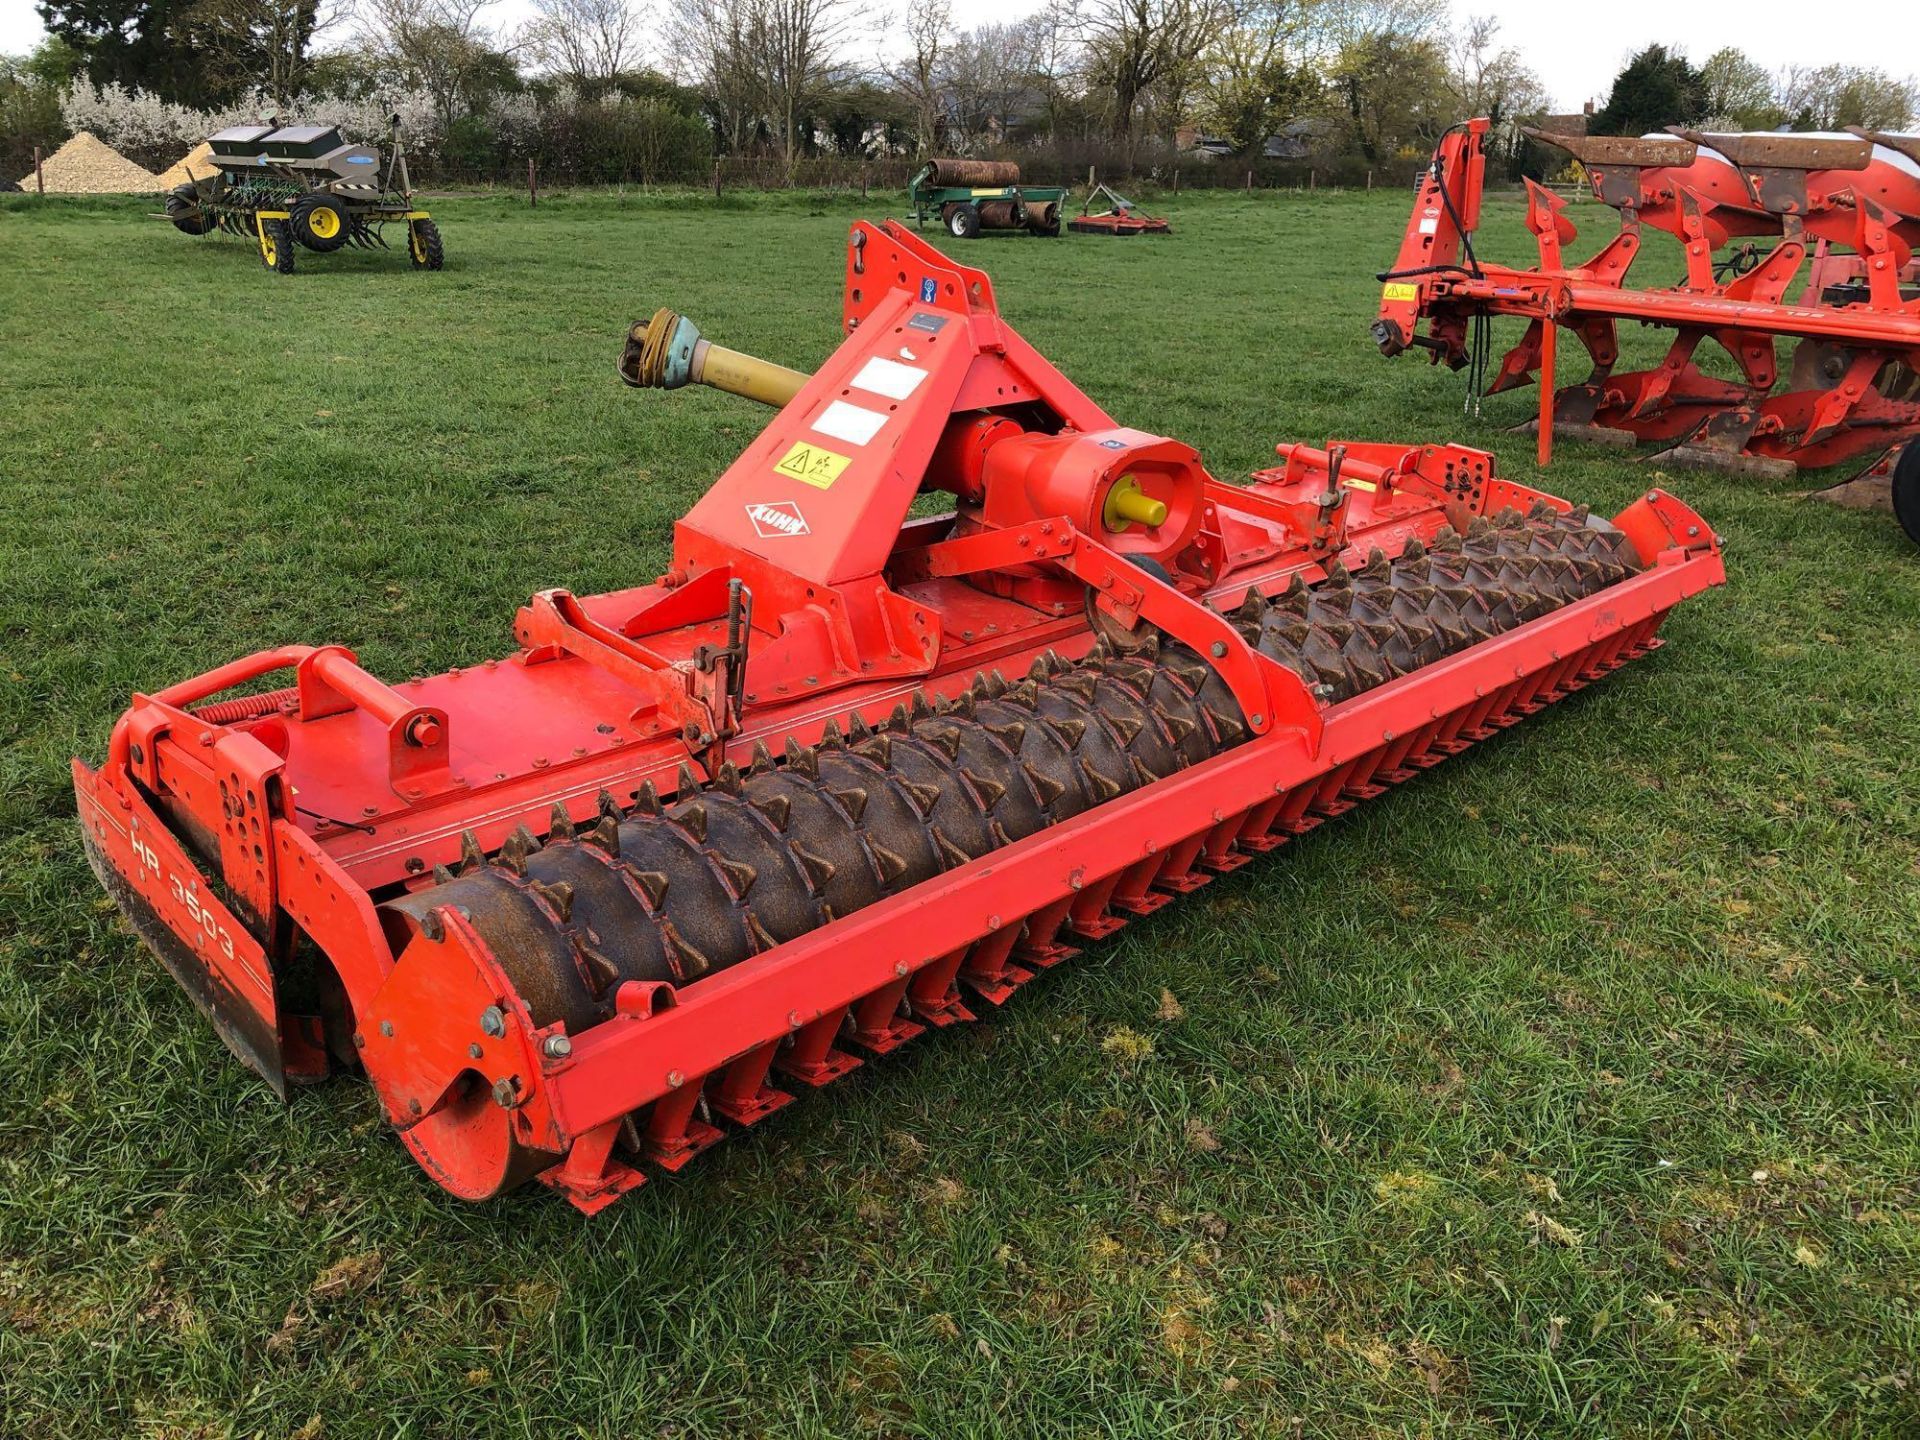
column 841, row 775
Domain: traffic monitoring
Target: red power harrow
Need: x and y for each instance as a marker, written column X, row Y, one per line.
column 840, row 775
column 1851, row 202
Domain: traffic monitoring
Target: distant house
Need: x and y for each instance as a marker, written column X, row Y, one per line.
column 1301, row 139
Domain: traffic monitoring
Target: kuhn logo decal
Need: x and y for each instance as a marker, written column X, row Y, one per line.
column 775, row 518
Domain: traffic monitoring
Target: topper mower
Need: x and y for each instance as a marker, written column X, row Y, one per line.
column 1850, row 202
column 1121, row 217
column 841, row 775
column 305, row 185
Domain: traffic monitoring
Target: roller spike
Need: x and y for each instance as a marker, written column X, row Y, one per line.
column 996, row 684
column 1040, row 669
column 559, row 897
column 889, row 865
column 776, row 807
column 977, row 687
column 1413, row 549
column 1127, row 727
column 920, row 709
column 740, row 876
column 605, row 836
column 605, row 806
column 729, row 777
column 1009, row 734
column 950, row 853
column 686, row 784
column 853, row 800
column 692, row 818
column 1026, row 695
column 924, row 797
column 1141, row 772
column 691, row 962
column 518, row 846
column 652, row 884
column 963, row 705
column 646, row 800
column 989, row 791
column 817, row 869
column 1069, row 730
column 1376, row 567
column 472, row 857
column 802, row 759
column 879, row 749
column 762, row 759
column 1098, row 785
column 945, row 737
column 1080, row 685
column 1045, row 787
column 559, row 823
column 831, row 737
column 441, row 874
column 1177, row 726
column 601, row 973
column 899, row 720
column 1252, row 606
column 858, row 728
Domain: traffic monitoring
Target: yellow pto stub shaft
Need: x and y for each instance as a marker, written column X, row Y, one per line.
column 1127, row 504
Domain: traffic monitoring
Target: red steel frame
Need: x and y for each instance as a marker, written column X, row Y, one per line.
column 236, row 831
column 1869, row 206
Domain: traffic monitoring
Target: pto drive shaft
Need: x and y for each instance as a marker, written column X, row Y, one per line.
column 668, row 352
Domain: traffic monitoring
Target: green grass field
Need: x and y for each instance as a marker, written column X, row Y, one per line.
column 1569, row 1090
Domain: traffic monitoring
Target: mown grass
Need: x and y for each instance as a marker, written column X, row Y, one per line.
column 1569, row 1090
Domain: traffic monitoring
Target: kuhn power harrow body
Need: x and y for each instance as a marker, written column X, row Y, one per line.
column 1850, row 202
column 841, row 774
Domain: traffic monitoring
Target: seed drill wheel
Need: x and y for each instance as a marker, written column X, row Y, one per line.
column 183, row 209
column 320, row 224
column 963, row 221
column 276, row 246
column 423, row 245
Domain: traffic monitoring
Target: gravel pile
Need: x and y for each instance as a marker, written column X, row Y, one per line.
column 196, row 164
column 86, row 166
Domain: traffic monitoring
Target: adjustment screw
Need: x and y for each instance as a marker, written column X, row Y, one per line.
column 556, row 1047
column 493, row 1022
column 474, row 1051
column 504, row 1094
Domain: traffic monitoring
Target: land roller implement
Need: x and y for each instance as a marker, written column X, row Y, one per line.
column 847, row 773
column 1794, row 248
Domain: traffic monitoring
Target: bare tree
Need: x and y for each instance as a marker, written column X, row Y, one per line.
column 441, row 45
column 1832, row 96
column 1136, row 45
column 591, row 42
column 989, row 82
column 243, row 44
column 1253, row 80
column 712, row 43
column 917, row 76
column 796, row 46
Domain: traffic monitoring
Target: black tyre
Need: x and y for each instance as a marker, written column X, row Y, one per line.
column 1906, row 490
column 183, row 209
column 423, row 245
column 320, row 223
column 276, row 246
column 963, row 221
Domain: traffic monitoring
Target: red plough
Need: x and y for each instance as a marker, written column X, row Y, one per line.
column 1848, row 204
column 841, row 776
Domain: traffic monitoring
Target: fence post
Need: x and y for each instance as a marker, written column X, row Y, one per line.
column 39, row 177
column 1090, row 179
column 863, row 185
column 1369, row 179
column 533, row 185
column 1313, row 178
column 1176, row 179
column 1249, row 182
column 716, row 177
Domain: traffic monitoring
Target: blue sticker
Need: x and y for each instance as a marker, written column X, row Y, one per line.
column 928, row 290
column 1113, row 444
column 360, row 159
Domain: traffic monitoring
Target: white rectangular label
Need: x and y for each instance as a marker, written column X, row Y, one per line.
column 849, row 422
column 884, row 377
column 1429, row 225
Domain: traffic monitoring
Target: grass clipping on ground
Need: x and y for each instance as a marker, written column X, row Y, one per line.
column 86, row 165
column 196, row 164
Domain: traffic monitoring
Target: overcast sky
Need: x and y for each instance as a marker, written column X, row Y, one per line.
column 1575, row 48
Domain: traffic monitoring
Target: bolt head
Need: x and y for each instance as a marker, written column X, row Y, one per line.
column 493, row 1022
column 505, row 1095
column 1218, row 649
column 386, row 1028
column 556, row 1047
column 473, row 1051
column 675, row 1079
